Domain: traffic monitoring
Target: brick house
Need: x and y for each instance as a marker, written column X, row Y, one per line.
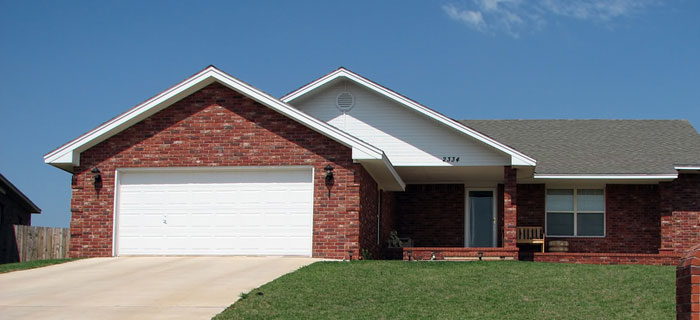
column 215, row 166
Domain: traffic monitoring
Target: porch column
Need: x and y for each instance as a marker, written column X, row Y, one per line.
column 666, row 216
column 510, row 211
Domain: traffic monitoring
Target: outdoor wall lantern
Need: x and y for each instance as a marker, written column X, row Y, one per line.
column 409, row 253
column 97, row 177
column 481, row 255
column 329, row 174
column 329, row 178
column 350, row 254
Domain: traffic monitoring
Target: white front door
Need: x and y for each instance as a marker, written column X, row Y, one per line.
column 201, row 211
column 480, row 218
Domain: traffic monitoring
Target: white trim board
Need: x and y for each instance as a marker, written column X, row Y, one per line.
column 689, row 168
column 517, row 158
column 669, row 176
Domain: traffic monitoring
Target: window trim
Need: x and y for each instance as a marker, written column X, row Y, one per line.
column 575, row 212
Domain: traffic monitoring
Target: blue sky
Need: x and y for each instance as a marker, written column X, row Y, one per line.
column 66, row 67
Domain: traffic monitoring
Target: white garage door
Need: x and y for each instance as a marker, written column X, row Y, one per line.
column 242, row 211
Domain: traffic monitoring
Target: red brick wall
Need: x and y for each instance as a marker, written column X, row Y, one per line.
column 685, row 220
column 441, row 253
column 632, row 218
column 388, row 224
column 531, row 206
column 218, row 127
column 607, row 258
column 369, row 202
column 688, row 286
column 510, row 206
column 431, row 214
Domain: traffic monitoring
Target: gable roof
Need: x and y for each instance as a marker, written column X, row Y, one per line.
column 6, row 185
column 599, row 147
column 68, row 155
column 517, row 157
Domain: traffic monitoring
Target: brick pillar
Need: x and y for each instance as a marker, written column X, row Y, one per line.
column 666, row 214
column 688, row 286
column 510, row 210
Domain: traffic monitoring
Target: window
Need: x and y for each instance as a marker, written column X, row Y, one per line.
column 575, row 212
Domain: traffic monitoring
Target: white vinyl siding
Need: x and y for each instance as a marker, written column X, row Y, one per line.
column 407, row 138
column 247, row 211
column 575, row 213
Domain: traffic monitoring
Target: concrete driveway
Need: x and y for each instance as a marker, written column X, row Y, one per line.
column 137, row 287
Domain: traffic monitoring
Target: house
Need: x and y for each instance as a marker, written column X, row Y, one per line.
column 214, row 166
column 15, row 209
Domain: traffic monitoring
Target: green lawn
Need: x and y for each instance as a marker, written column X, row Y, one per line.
column 8, row 267
column 462, row 290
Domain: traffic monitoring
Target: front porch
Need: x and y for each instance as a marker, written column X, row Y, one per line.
column 436, row 217
column 453, row 221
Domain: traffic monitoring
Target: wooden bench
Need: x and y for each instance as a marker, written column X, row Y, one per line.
column 530, row 235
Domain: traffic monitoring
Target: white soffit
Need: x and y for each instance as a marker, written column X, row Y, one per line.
column 68, row 155
column 517, row 158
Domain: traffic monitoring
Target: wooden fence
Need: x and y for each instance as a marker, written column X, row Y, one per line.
column 39, row 243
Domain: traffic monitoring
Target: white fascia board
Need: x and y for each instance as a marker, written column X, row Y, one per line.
column 395, row 174
column 383, row 172
column 687, row 167
column 669, row 176
column 69, row 153
column 123, row 120
column 517, row 158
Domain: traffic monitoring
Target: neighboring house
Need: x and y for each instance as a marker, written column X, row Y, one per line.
column 15, row 208
column 215, row 166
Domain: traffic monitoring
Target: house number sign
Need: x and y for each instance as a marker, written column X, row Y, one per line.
column 450, row 159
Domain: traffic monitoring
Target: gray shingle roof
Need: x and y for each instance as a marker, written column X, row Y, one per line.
column 598, row 146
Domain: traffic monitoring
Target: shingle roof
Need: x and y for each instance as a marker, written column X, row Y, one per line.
column 598, row 146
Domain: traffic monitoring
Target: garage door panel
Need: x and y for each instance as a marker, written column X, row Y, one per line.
column 237, row 211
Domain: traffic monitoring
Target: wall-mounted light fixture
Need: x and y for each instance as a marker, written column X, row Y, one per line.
column 329, row 178
column 329, row 174
column 481, row 255
column 409, row 253
column 350, row 254
column 97, row 178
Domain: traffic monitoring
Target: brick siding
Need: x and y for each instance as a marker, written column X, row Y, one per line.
column 607, row 258
column 632, row 218
column 431, row 214
column 688, row 286
column 685, row 219
column 216, row 126
column 369, row 202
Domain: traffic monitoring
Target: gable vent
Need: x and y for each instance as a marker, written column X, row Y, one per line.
column 345, row 101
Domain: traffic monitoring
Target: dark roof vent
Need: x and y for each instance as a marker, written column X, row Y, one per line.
column 345, row 101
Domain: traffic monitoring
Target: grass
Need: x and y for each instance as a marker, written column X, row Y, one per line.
column 462, row 290
column 9, row 267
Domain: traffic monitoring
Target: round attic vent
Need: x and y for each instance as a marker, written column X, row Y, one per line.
column 345, row 101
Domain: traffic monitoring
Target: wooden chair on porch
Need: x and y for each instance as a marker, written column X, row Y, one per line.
column 530, row 235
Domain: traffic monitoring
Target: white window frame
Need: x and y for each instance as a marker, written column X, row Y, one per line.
column 575, row 212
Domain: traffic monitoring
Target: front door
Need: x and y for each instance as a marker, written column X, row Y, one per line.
column 480, row 219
